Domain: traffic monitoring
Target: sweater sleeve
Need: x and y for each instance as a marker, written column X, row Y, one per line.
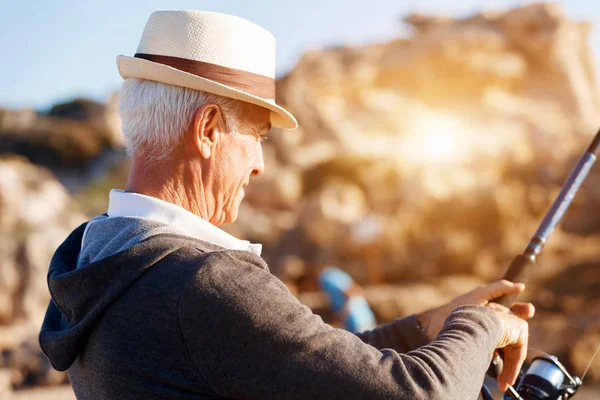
column 402, row 335
column 251, row 339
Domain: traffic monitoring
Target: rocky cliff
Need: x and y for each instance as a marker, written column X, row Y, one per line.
column 72, row 139
column 36, row 214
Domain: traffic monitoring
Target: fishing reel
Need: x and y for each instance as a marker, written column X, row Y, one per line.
column 545, row 379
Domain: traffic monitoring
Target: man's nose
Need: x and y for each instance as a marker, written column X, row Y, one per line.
column 259, row 167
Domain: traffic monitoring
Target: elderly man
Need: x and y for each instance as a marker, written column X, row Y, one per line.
column 153, row 301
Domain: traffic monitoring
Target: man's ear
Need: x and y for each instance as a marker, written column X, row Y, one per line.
column 207, row 127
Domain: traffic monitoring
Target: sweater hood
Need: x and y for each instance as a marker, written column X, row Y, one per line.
column 81, row 293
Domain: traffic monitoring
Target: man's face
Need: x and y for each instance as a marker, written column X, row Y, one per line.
column 238, row 157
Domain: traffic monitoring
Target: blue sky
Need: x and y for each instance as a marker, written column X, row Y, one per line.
column 54, row 50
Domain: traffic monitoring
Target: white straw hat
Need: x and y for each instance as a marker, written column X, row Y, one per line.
column 212, row 52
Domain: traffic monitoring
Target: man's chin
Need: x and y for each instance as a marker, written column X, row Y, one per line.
column 231, row 216
column 230, row 220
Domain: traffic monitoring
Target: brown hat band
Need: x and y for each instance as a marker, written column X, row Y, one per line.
column 257, row 85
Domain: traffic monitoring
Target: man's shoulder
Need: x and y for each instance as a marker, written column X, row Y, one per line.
column 207, row 262
column 230, row 287
column 225, row 273
column 210, row 263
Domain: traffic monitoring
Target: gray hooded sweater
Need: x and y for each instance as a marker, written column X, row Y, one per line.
column 142, row 312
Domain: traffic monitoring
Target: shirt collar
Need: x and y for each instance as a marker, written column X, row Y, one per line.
column 125, row 204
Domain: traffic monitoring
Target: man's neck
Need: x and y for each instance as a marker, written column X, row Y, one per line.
column 171, row 182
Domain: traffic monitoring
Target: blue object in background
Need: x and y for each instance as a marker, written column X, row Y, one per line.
column 353, row 308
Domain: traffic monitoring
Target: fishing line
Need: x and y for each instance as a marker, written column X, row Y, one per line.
column 585, row 371
column 590, row 363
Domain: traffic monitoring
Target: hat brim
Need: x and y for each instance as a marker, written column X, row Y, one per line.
column 131, row 67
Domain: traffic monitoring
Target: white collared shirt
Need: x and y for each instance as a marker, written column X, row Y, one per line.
column 125, row 204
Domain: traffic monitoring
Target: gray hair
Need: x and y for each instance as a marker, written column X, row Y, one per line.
column 155, row 115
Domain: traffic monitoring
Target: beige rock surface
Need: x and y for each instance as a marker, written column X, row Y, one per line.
column 73, row 139
column 36, row 214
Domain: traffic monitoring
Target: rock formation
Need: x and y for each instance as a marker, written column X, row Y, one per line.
column 36, row 214
column 70, row 139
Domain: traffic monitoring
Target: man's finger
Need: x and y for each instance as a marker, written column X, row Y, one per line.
column 523, row 310
column 498, row 307
column 499, row 288
column 514, row 356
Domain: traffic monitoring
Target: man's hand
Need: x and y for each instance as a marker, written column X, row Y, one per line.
column 513, row 342
column 514, row 328
column 434, row 319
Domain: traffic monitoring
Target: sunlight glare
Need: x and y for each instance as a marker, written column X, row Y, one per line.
column 436, row 138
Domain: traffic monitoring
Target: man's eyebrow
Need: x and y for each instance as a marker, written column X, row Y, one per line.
column 264, row 129
column 261, row 130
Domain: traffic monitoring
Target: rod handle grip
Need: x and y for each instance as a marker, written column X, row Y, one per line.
column 518, row 272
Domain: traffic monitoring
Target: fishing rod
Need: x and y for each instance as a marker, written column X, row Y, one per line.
column 546, row 376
